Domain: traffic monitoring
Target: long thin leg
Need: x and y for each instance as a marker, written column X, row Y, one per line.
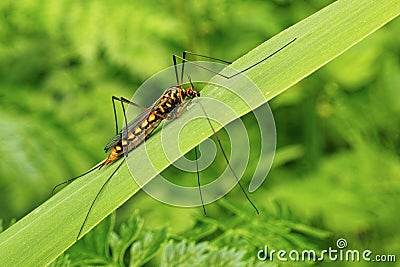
column 179, row 113
column 96, row 197
column 198, row 181
column 124, row 133
column 183, row 68
column 178, row 82
column 114, row 98
column 204, row 56
column 183, row 59
column 226, row 159
column 98, row 166
column 124, row 100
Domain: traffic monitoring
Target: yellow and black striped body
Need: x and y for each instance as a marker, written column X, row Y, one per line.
column 141, row 128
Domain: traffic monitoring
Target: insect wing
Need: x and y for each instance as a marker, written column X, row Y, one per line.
column 131, row 125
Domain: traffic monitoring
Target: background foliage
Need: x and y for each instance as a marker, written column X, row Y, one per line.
column 337, row 164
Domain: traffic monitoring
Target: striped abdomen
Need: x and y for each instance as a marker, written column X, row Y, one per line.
column 141, row 128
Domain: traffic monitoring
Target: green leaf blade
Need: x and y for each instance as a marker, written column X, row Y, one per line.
column 42, row 235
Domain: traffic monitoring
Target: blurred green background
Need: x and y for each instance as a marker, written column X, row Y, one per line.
column 337, row 163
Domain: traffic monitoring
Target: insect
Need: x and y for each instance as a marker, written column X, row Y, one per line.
column 170, row 105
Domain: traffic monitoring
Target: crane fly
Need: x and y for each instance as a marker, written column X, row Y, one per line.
column 172, row 103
